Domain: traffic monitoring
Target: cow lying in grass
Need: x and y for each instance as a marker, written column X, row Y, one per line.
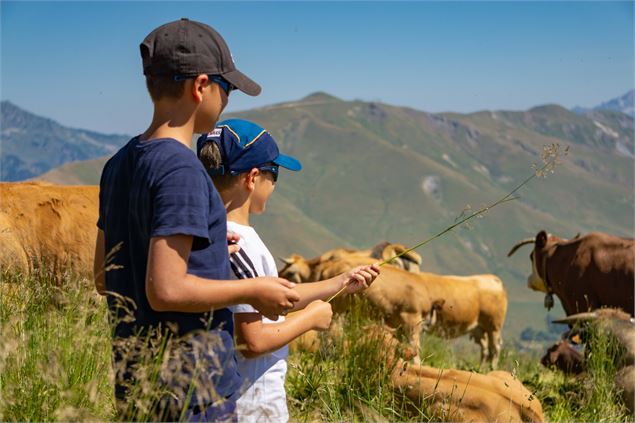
column 457, row 395
column 449, row 306
column 622, row 326
column 447, row 394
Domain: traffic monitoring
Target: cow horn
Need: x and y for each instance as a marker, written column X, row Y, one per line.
column 589, row 315
column 392, row 250
column 520, row 244
column 286, row 260
column 413, row 257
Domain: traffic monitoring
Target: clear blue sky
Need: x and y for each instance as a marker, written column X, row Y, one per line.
column 78, row 62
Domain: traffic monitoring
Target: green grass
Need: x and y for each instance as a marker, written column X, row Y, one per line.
column 349, row 380
column 55, row 364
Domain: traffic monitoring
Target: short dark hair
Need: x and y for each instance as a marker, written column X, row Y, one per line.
column 211, row 158
column 164, row 86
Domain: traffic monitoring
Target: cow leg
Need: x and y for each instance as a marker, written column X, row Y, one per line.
column 494, row 343
column 480, row 337
column 412, row 325
column 416, row 344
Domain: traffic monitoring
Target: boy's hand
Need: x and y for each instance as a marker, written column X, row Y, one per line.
column 232, row 242
column 273, row 296
column 320, row 314
column 360, row 278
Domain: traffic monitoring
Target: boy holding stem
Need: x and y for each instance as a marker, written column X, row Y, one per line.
column 244, row 162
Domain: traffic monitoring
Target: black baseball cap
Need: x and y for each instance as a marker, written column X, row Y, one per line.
column 189, row 48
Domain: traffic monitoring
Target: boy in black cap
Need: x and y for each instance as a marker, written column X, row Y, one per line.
column 163, row 225
column 244, row 161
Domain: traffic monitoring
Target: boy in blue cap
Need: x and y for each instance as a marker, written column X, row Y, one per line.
column 163, row 226
column 244, row 162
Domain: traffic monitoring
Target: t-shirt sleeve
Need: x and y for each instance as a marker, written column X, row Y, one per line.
column 181, row 205
column 102, row 203
column 100, row 219
column 243, row 308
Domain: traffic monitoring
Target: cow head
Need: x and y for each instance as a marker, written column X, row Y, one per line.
column 296, row 269
column 564, row 357
column 536, row 280
column 338, row 254
column 410, row 261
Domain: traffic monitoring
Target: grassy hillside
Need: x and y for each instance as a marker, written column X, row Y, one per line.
column 83, row 172
column 375, row 172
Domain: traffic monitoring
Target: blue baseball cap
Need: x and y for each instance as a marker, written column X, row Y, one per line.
column 245, row 145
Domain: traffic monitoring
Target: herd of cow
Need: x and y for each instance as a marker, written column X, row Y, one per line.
column 592, row 275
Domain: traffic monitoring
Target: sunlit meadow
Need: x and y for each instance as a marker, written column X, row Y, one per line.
column 55, row 365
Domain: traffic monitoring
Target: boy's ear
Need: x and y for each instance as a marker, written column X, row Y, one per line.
column 250, row 179
column 198, row 86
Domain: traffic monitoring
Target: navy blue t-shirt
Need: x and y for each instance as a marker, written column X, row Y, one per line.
column 160, row 188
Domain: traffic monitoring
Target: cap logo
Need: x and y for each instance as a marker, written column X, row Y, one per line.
column 216, row 132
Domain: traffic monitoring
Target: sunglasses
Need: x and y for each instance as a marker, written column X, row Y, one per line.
column 217, row 79
column 224, row 84
column 271, row 168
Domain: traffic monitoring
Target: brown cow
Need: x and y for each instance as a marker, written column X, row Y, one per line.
column 563, row 356
column 457, row 395
column 585, row 273
column 622, row 326
column 463, row 396
column 50, row 225
column 474, row 305
column 299, row 269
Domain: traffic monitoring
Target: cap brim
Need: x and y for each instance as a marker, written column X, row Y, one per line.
column 242, row 82
column 288, row 162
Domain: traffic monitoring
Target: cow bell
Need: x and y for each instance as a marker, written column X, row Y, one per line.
column 549, row 301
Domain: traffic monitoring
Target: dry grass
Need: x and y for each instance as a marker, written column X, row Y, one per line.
column 55, row 353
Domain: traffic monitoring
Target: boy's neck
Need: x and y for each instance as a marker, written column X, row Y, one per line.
column 237, row 211
column 171, row 119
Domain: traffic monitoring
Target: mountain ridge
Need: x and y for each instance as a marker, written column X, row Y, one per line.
column 624, row 104
column 32, row 144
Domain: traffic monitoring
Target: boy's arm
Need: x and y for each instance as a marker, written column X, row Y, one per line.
column 99, row 272
column 170, row 288
column 254, row 338
column 354, row 280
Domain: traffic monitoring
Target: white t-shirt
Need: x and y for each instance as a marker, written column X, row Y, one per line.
column 262, row 396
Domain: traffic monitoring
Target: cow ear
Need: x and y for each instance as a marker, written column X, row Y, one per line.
column 553, row 357
column 541, row 239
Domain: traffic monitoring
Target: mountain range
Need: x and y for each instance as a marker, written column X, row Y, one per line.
column 624, row 104
column 32, row 145
column 375, row 172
